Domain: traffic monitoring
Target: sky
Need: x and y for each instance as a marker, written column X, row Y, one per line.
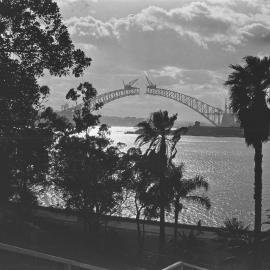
column 183, row 45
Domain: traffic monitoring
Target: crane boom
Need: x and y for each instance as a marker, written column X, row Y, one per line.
column 150, row 84
column 130, row 84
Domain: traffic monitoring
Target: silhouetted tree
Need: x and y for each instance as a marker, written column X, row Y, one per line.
column 183, row 191
column 26, row 132
column 86, row 172
column 161, row 139
column 137, row 180
column 34, row 33
column 32, row 39
column 86, row 167
column 248, row 84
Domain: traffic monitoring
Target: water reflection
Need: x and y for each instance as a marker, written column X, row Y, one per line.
column 227, row 164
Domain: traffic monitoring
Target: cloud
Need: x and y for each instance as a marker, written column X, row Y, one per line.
column 89, row 26
column 62, row 3
column 167, row 71
column 197, row 82
column 257, row 32
column 198, row 22
column 188, row 45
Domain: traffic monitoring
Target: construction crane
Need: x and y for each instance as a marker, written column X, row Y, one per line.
column 150, row 84
column 130, row 85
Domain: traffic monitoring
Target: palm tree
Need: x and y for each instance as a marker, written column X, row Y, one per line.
column 183, row 191
column 157, row 133
column 248, row 86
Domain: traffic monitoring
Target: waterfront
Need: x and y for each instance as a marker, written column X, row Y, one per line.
column 227, row 163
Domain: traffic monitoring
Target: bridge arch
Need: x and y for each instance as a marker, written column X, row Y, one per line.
column 212, row 114
column 108, row 97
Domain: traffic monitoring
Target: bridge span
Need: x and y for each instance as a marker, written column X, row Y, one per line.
column 107, row 97
column 211, row 113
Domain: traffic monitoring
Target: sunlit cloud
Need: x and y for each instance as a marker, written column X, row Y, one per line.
column 184, row 45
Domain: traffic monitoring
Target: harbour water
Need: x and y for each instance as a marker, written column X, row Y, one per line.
column 228, row 165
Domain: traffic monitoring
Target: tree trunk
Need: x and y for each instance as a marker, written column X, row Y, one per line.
column 176, row 216
column 258, row 202
column 162, row 226
column 258, row 190
column 143, row 232
column 138, row 227
column 163, row 165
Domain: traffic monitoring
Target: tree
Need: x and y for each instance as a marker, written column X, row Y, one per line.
column 137, row 181
column 161, row 139
column 183, row 191
column 86, row 167
column 32, row 39
column 248, row 84
column 26, row 133
column 34, row 33
column 86, row 172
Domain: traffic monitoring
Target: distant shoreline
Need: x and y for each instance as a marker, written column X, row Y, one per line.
column 206, row 131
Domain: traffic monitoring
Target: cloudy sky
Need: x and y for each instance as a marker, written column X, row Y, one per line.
column 184, row 45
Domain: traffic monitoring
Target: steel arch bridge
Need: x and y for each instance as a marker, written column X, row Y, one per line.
column 212, row 114
column 108, row 97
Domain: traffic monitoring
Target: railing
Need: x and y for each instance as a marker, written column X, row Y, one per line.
column 65, row 263
column 183, row 266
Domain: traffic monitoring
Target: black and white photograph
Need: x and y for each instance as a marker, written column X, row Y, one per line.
column 134, row 134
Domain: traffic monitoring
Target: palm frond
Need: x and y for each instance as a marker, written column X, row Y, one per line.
column 162, row 121
column 234, row 224
column 153, row 145
column 201, row 200
column 247, row 84
column 142, row 139
column 147, row 133
column 175, row 139
column 192, row 184
column 144, row 125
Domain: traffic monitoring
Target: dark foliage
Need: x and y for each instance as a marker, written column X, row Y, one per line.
column 138, row 181
column 161, row 149
column 86, row 167
column 248, row 84
column 26, row 132
column 185, row 190
column 32, row 39
column 33, row 31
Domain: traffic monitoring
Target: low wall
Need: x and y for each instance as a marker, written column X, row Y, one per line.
column 71, row 218
column 125, row 223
